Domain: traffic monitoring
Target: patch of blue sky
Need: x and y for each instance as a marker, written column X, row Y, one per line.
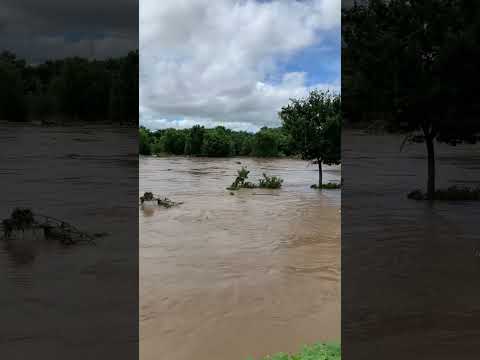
column 320, row 62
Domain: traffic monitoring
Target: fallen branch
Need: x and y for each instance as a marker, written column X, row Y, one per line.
column 25, row 219
column 165, row 202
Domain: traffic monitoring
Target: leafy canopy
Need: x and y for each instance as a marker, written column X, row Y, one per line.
column 314, row 123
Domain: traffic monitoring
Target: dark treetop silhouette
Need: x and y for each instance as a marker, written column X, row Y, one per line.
column 412, row 64
column 72, row 89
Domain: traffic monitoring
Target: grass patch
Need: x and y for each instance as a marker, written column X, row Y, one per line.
column 329, row 185
column 453, row 193
column 313, row 352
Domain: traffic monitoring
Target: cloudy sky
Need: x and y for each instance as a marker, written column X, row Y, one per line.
column 233, row 62
column 47, row 29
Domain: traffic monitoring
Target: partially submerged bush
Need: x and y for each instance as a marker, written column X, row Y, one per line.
column 453, row 193
column 270, row 182
column 240, row 180
column 416, row 195
column 329, row 185
column 314, row 352
column 25, row 219
column 22, row 218
column 165, row 202
column 147, row 196
column 248, row 185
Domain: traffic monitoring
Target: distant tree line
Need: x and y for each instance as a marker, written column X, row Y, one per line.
column 69, row 89
column 216, row 142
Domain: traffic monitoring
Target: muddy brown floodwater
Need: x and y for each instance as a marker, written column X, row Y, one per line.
column 230, row 276
column 70, row 302
column 410, row 269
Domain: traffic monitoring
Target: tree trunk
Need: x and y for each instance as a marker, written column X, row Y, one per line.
column 431, row 168
column 319, row 173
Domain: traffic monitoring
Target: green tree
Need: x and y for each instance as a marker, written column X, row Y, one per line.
column 144, row 141
column 173, row 141
column 12, row 99
column 74, row 88
column 266, row 143
column 216, row 142
column 314, row 123
column 195, row 138
column 415, row 62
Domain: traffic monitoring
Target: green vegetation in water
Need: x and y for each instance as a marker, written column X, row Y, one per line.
column 241, row 180
column 165, row 202
column 329, row 186
column 267, row 182
column 23, row 219
column 314, row 352
column 453, row 193
column 270, row 182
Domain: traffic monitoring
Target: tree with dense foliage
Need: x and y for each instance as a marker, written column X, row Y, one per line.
column 195, row 140
column 415, row 65
column 314, row 124
column 217, row 142
column 266, row 143
column 69, row 89
column 173, row 141
column 12, row 99
column 144, row 141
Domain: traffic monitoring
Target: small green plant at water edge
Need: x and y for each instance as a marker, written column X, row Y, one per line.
column 314, row 352
column 270, row 182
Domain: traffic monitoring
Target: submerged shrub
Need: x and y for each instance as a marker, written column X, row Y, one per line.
column 329, row 185
column 22, row 218
column 453, row 193
column 165, row 202
column 270, row 182
column 248, row 185
column 240, row 179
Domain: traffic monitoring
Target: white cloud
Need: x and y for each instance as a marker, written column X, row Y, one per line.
column 208, row 62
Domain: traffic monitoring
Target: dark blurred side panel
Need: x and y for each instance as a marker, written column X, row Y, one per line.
column 411, row 169
column 69, row 166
